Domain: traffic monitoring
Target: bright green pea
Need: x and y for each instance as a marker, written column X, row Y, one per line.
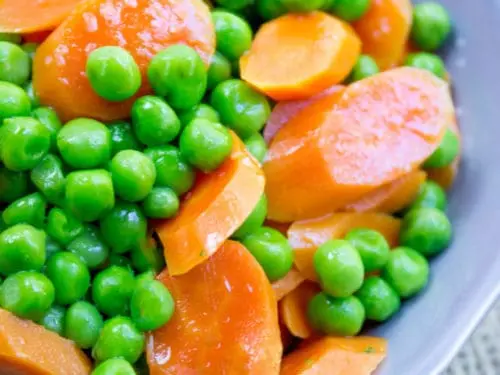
column 13, row 185
column 51, row 247
column 27, row 294
column 151, row 305
column 233, row 34
column 431, row 25
column 30, row 49
column 48, row 177
column 112, row 289
column 371, row 246
column 120, row 261
column 62, row 226
column 83, row 324
column 53, row 319
column 427, row 61
column 114, row 366
column 90, row 248
column 350, row 10
column 145, row 277
column 161, row 203
column 446, row 153
column 272, row 251
column 122, row 137
column 240, row 107
column 113, row 73
column 48, row 118
column 218, row 71
column 256, row 145
column 255, row 220
column 301, row 6
column 379, row 299
column 15, row 64
column 147, row 256
column 269, row 9
column 11, row 38
column 13, row 101
column 29, row 209
column 34, row 99
column 202, row 110
column 365, row 67
column 430, row 195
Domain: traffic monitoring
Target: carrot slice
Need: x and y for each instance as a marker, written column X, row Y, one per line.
column 288, row 283
column 384, row 31
column 29, row 349
column 306, row 236
column 298, row 55
column 225, row 321
column 293, row 309
column 59, row 66
column 343, row 146
column 336, row 356
column 213, row 210
column 36, row 37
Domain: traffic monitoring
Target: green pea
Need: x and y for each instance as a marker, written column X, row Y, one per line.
column 379, row 299
column 147, row 256
column 145, row 277
column 51, row 247
column 430, row 195
column 84, row 143
column 15, row 64
column 62, row 226
column 48, row 177
column 120, row 261
column 34, row 99
column 13, row 101
column 272, row 251
column 29, row 209
column 371, row 246
column 48, row 118
column 30, row 49
column 114, row 366
column 205, row 144
column 350, row 10
column 13, row 185
column 90, row 248
column 11, row 38
column 234, row 4
column 431, row 25
column 202, row 110
column 256, row 145
column 112, row 289
column 235, row 68
column 89, row 194
column 27, row 294
column 218, row 71
column 24, row 142
column 172, row 170
column 446, row 153
column 53, row 319
column 83, row 324
column 122, row 137
column 233, row 34
column 161, row 203
column 113, row 73
column 269, row 9
column 3, row 226
column 178, row 74
column 342, row 316
column 255, row 220
column 427, row 61
column 365, row 67
column 240, row 107
column 301, row 6
column 119, row 338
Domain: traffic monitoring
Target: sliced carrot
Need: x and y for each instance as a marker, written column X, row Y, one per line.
column 29, row 349
column 384, row 31
column 288, row 283
column 36, row 37
column 225, row 320
column 297, row 56
column 293, row 309
column 306, row 236
column 213, row 210
column 286, row 337
column 341, row 147
column 59, row 66
column 336, row 356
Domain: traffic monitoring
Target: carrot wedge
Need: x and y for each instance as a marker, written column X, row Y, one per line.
column 293, row 309
column 225, row 321
column 296, row 56
column 287, row 284
column 213, row 210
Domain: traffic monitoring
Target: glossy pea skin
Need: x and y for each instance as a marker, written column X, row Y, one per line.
column 240, row 107
column 371, row 246
column 27, row 294
column 15, row 64
column 24, row 142
column 62, row 226
column 430, row 195
column 301, row 6
column 114, row 366
column 365, row 67
column 233, row 34
column 48, row 118
column 13, row 185
column 122, row 137
column 161, row 203
column 350, row 10
column 90, row 248
column 254, row 221
column 147, row 256
column 427, row 61
column 202, row 110
column 53, row 319
column 379, row 299
column 11, row 38
column 431, row 25
column 34, row 99
column 48, row 177
column 269, row 9
column 29, row 209
column 256, row 145
column 83, row 324
column 446, row 153
column 145, row 277
column 113, row 73
column 219, row 70
column 112, row 289
column 13, row 101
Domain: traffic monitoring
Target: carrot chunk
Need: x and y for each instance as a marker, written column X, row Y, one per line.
column 288, row 283
column 293, row 309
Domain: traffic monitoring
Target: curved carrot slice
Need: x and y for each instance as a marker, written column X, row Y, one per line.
column 296, row 56
column 29, row 349
column 293, row 309
column 213, row 210
column 342, row 147
column 225, row 321
column 288, row 283
column 384, row 30
column 336, row 356
column 306, row 236
column 59, row 66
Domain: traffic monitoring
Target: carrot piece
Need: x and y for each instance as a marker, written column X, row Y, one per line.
column 336, row 356
column 286, row 337
column 293, row 309
column 296, row 56
column 29, row 349
column 306, row 236
column 36, row 37
column 225, row 322
column 213, row 210
column 288, row 283
column 59, row 65
column 384, row 31
column 343, row 146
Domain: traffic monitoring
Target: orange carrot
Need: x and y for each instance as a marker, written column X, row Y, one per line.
column 213, row 210
column 288, row 283
column 293, row 309
column 297, row 56
column 225, row 320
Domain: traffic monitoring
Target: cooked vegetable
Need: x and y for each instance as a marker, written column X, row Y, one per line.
column 379, row 299
column 287, row 284
column 254, row 221
column 431, row 195
column 82, row 324
column 371, row 246
column 15, row 64
column 428, row 61
column 350, row 10
column 233, row 33
column 446, row 153
column 365, row 67
column 431, row 25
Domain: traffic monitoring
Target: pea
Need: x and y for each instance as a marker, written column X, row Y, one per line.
column 114, row 366
column 431, row 25
column 30, row 49
column 233, row 34
column 24, row 143
column 269, row 9
column 48, row 118
column 145, row 277
column 90, row 248
column 427, row 61
column 205, row 144
column 379, row 299
column 120, row 261
column 161, row 203
column 13, row 101
column 256, row 145
column 240, row 107
column 147, row 256
column 172, row 170
column 235, row 68
column 27, row 294
column 255, row 220
column 272, row 251
column 301, row 6
column 112, row 289
column 365, row 67
column 446, row 153
column 13, row 185
column 62, row 226
column 113, row 73
column 430, row 195
column 83, row 324
column 29, row 209
column 155, row 122
column 350, row 10
column 426, row 230
column 342, row 316
column 119, row 338
column 51, row 247
column 48, row 177
column 218, row 71
column 53, row 319
column 151, row 305
column 15, row 64
column 122, row 137
column 178, row 74
column 34, row 99
column 11, row 38
column 371, row 246
column 234, row 4
column 84, row 143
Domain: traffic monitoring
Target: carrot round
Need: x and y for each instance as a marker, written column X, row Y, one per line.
column 298, row 55
column 213, row 210
column 288, row 283
column 59, row 66
column 293, row 309
column 225, row 320
column 343, row 146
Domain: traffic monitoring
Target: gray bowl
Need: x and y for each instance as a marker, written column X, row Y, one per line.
column 430, row 329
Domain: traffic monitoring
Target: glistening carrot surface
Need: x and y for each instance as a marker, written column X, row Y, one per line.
column 288, row 283
column 212, row 211
column 293, row 309
column 142, row 27
column 296, row 56
column 225, row 320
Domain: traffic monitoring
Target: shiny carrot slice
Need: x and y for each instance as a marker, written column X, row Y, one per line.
column 293, row 309
column 213, row 210
column 288, row 283
column 296, row 56
column 225, row 320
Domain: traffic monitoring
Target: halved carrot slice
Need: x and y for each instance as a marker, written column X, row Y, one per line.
column 296, row 56
column 288, row 283
column 213, row 210
column 225, row 320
